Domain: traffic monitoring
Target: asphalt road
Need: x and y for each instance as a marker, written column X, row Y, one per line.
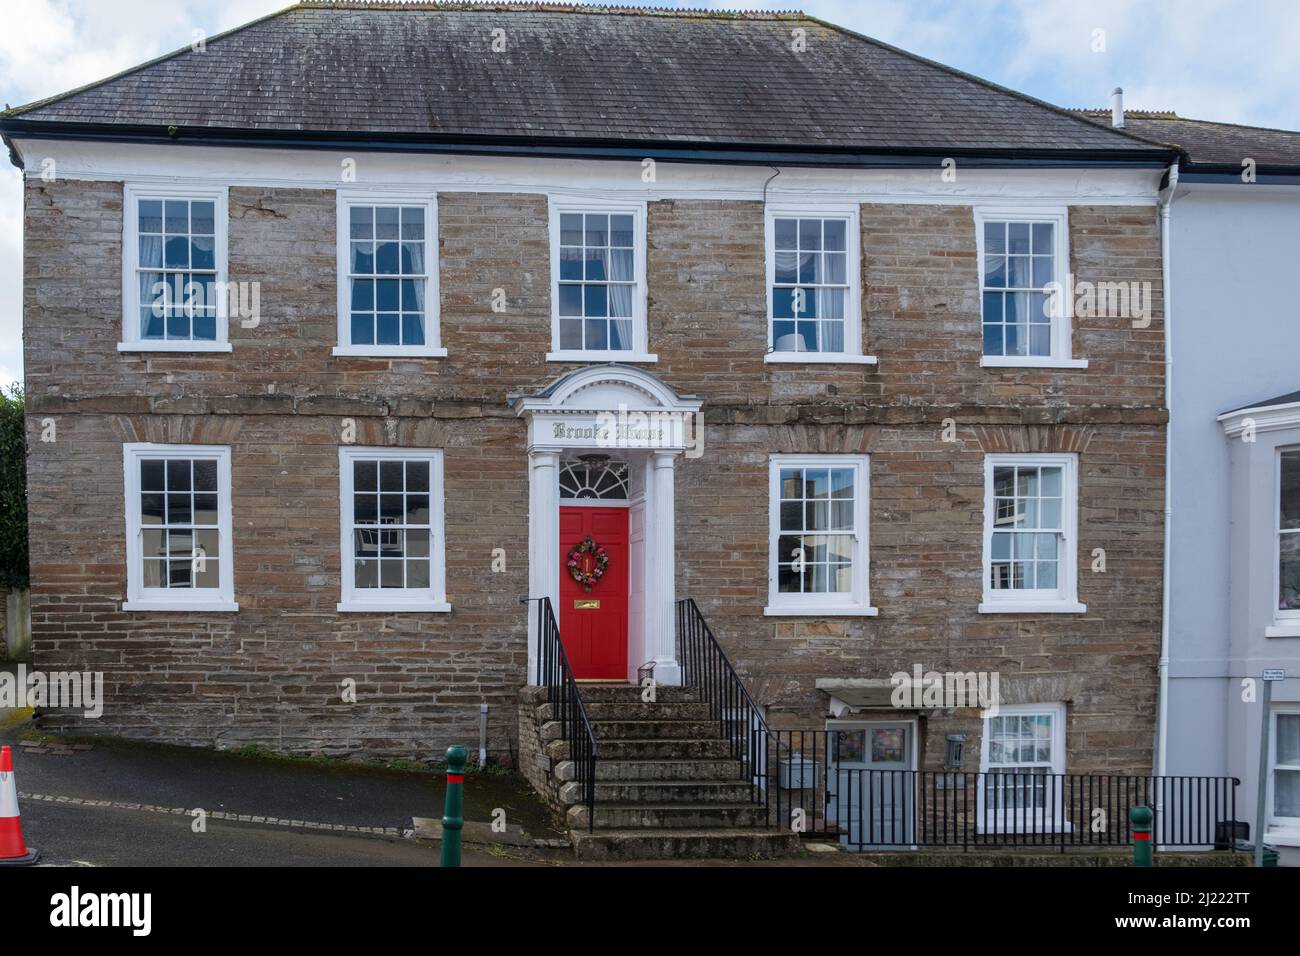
column 104, row 836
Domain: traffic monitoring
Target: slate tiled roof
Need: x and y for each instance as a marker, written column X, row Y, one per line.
column 1211, row 144
column 579, row 74
column 1291, row 398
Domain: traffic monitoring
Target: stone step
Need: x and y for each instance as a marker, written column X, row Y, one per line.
column 633, row 771
column 673, row 791
column 667, row 770
column 636, row 710
column 684, row 816
column 630, row 748
column 604, row 693
column 654, row 729
column 657, row 844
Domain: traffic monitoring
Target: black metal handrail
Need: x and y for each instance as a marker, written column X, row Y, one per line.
column 800, row 778
column 706, row 668
column 556, row 675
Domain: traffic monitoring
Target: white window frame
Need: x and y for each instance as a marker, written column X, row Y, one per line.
column 1002, row 821
column 345, row 199
column 1288, row 824
column 640, row 351
column 858, row 602
column 1062, row 336
column 853, row 331
column 131, row 196
column 141, row 598
column 1289, row 619
column 1063, row 599
column 430, row 599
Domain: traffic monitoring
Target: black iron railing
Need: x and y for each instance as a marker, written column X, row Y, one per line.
column 706, row 669
column 805, row 782
column 878, row 809
column 555, row 674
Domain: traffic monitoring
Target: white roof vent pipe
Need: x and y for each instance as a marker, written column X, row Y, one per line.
column 1117, row 108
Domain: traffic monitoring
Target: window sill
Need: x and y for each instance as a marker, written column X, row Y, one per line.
column 192, row 606
column 1280, row 629
column 1033, row 607
column 1288, row 836
column 1017, row 361
column 173, row 346
column 393, row 607
column 818, row 358
column 841, row 610
column 627, row 357
column 387, row 351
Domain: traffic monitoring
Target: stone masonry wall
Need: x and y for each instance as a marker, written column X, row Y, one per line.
column 270, row 672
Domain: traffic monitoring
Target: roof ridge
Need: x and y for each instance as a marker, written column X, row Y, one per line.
column 989, row 84
column 1143, row 114
column 189, row 48
column 555, row 6
column 1172, row 115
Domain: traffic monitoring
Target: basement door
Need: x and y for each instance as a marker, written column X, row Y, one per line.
column 593, row 615
column 871, row 784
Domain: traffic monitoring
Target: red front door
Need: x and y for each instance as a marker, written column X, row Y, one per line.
column 593, row 624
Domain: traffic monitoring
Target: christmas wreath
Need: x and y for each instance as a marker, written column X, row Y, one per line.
column 585, row 572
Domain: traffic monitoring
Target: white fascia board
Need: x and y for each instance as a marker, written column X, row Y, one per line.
column 620, row 179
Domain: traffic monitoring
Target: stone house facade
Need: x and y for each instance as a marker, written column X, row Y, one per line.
column 942, row 428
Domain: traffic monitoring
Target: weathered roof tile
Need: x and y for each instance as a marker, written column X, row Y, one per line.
column 580, row 74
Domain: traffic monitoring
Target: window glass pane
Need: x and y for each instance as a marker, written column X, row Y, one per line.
column 1288, row 740
column 1289, row 572
column 1290, row 496
column 412, row 222
column 151, row 216
column 361, row 222
column 620, row 231
column 1286, row 793
column 387, row 221
column 834, row 234
column 570, row 331
column 1018, row 238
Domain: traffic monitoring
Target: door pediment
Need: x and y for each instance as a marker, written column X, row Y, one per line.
column 609, row 406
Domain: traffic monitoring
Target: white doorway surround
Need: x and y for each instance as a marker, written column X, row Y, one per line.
column 625, row 412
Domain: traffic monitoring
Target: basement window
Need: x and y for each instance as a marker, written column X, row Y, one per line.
column 178, row 541
column 392, row 524
column 1022, row 760
column 388, row 277
column 175, row 292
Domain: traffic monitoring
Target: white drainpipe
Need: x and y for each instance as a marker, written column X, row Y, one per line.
column 1166, row 244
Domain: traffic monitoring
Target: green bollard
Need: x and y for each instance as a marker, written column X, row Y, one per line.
column 1140, row 817
column 452, row 821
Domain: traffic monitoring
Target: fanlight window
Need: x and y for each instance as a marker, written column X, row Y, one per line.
column 594, row 479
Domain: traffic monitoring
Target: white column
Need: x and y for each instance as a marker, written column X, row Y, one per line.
column 661, row 590
column 543, row 541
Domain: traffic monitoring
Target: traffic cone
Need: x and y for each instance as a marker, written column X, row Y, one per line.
column 13, row 851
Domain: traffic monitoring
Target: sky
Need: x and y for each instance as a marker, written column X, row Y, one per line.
column 1210, row 59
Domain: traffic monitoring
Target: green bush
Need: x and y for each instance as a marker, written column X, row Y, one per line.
column 13, row 490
